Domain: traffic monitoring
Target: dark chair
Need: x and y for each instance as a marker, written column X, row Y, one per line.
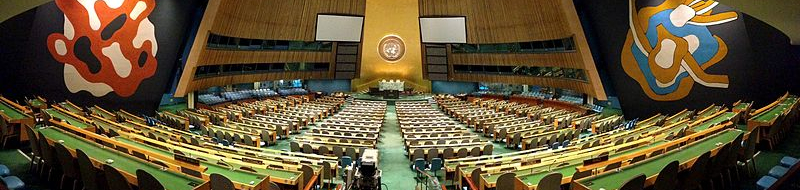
column 308, row 172
column 696, row 174
column 195, row 142
column 115, row 179
column 432, row 153
column 69, row 166
column 635, row 183
column 488, row 149
column 6, row 131
column 748, row 157
column 638, row 158
column 248, row 140
column 462, row 153
column 447, row 153
column 551, row 181
column 36, row 154
column 338, row 152
column 294, row 146
column 272, row 186
column 612, row 166
column 147, row 181
column 730, row 161
column 476, row 175
column 350, row 151
column 326, row 173
column 49, row 157
column 580, row 175
column 716, row 166
column 220, row 182
column 476, row 151
column 90, row 176
column 436, row 165
column 307, row 149
column 322, row 150
column 506, row 181
column 418, row 153
column 668, row 177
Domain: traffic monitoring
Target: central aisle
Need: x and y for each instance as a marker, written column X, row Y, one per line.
column 393, row 162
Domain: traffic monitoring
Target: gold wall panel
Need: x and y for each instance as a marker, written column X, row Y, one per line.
column 391, row 17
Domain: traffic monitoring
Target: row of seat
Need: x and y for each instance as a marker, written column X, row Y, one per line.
column 320, row 141
column 777, row 172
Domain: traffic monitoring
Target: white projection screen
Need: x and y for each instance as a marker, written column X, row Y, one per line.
column 443, row 29
column 339, row 28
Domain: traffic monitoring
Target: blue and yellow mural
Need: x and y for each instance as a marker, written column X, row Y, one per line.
column 669, row 47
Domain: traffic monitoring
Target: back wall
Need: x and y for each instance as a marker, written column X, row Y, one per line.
column 671, row 55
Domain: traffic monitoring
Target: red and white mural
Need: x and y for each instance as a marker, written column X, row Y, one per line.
column 126, row 57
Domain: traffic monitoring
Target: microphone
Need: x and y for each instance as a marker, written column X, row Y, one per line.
column 554, row 162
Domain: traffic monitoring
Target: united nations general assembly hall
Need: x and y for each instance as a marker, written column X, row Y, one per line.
column 399, row 95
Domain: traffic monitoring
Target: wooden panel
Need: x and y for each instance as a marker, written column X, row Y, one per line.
column 216, row 57
column 203, row 83
column 261, row 19
column 579, row 86
column 565, row 60
column 507, row 21
column 278, row 19
column 499, row 21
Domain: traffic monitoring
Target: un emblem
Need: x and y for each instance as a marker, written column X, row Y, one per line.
column 391, row 48
column 669, row 47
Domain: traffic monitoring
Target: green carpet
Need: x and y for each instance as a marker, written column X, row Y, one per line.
column 394, row 164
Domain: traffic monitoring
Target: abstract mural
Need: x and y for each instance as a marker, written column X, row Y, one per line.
column 669, row 47
column 121, row 50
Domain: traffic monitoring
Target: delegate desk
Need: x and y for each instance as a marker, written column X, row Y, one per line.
column 69, row 106
column 70, row 118
column 38, row 103
column 742, row 107
column 235, row 175
column 716, row 119
column 14, row 113
column 767, row 115
column 124, row 163
column 97, row 110
column 652, row 166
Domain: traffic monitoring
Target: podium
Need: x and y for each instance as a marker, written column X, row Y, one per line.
column 391, row 94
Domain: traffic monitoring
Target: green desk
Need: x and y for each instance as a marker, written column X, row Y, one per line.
column 650, row 167
column 124, row 163
column 709, row 112
column 234, row 175
column 37, row 103
column 678, row 118
column 770, row 115
column 69, row 119
column 16, row 116
column 12, row 113
column 653, row 121
column 69, row 107
column 532, row 178
column 741, row 106
column 714, row 121
column 101, row 113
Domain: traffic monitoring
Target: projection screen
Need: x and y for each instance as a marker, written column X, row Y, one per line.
column 443, row 29
column 339, row 28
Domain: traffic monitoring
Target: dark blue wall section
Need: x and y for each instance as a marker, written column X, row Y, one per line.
column 452, row 87
column 328, row 86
